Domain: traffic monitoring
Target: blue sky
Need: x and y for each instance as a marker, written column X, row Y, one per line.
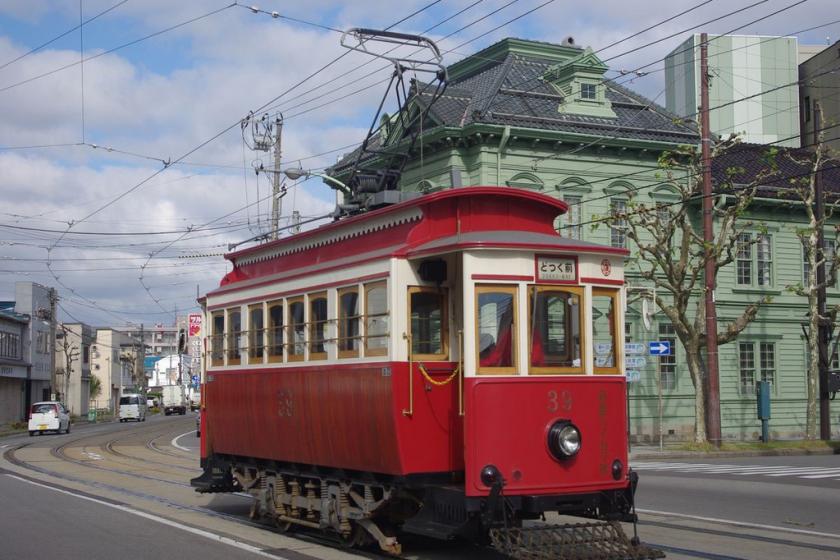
column 163, row 97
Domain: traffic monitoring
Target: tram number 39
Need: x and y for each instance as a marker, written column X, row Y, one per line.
column 559, row 401
column 285, row 406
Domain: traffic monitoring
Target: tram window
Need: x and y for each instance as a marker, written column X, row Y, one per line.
column 496, row 328
column 376, row 319
column 348, row 323
column 275, row 331
column 555, row 330
column 256, row 331
column 427, row 308
column 605, row 344
column 234, row 324
column 217, row 340
column 317, row 326
column 296, row 329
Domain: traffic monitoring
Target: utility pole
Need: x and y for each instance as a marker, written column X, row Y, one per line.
column 823, row 334
column 53, row 295
column 275, row 179
column 712, row 375
column 265, row 135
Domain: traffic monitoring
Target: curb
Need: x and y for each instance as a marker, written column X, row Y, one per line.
column 792, row 452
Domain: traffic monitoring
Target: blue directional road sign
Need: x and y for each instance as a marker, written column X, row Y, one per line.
column 195, row 380
column 659, row 348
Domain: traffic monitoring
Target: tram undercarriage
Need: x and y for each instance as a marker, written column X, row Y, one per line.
column 371, row 511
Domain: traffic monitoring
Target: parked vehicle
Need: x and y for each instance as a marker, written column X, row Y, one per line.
column 48, row 416
column 174, row 400
column 195, row 400
column 132, row 407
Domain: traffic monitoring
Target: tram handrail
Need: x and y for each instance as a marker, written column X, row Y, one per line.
column 410, row 410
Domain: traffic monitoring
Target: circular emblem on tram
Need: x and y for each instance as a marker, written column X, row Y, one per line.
column 606, row 267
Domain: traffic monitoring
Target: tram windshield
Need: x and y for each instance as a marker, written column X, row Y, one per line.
column 555, row 329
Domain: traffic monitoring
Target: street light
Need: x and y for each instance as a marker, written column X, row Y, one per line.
column 296, row 173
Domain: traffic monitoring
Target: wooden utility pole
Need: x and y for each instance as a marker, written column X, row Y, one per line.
column 712, row 375
column 823, row 333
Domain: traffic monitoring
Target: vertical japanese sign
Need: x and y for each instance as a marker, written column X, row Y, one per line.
column 194, row 324
column 194, row 343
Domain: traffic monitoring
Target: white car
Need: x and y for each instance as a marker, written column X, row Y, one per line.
column 48, row 415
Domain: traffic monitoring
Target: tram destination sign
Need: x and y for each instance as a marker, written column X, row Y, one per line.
column 552, row 268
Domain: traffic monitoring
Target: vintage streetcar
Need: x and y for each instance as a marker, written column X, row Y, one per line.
column 447, row 366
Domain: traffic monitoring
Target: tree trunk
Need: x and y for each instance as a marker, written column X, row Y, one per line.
column 695, row 368
column 813, row 366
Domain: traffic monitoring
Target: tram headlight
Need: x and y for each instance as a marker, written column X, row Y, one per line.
column 564, row 439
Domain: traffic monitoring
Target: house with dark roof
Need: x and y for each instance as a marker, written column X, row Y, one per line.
column 543, row 116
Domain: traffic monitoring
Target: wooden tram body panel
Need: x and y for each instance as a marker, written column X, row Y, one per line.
column 346, row 417
column 350, row 413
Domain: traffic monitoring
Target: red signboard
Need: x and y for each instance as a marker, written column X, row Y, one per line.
column 195, row 324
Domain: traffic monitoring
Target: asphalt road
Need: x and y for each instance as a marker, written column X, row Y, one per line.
column 764, row 499
column 121, row 491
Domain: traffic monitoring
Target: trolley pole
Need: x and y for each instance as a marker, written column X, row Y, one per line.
column 823, row 334
column 713, row 382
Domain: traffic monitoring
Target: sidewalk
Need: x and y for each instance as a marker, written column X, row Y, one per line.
column 644, row 452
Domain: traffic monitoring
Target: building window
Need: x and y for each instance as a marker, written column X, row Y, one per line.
column 317, row 326
column 743, row 259
column 10, row 345
column 746, row 367
column 588, row 91
column 572, row 220
column 764, row 260
column 668, row 364
column 760, row 260
column 618, row 224
column 767, row 361
column 806, row 107
column 376, row 319
column 348, row 323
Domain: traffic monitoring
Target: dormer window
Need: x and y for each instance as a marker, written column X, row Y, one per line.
column 588, row 91
column 580, row 81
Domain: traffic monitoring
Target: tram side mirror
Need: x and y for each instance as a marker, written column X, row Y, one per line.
column 433, row 271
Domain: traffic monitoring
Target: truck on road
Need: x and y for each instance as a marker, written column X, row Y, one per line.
column 174, row 400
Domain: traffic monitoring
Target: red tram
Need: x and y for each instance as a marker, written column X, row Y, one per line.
column 442, row 366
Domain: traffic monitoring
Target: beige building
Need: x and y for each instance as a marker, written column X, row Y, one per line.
column 72, row 365
column 117, row 362
column 819, row 83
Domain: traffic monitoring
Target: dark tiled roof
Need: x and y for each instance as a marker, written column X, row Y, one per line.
column 773, row 167
column 11, row 315
column 508, row 90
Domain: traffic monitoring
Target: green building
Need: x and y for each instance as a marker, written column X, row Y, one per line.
column 542, row 116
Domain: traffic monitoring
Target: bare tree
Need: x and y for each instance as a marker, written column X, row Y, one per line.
column 71, row 354
column 804, row 188
column 669, row 252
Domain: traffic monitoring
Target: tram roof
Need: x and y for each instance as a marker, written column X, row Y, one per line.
column 448, row 220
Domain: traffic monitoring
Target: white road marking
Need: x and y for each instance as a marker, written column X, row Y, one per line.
column 741, row 470
column 739, row 523
column 174, row 441
column 199, row 532
column 93, row 456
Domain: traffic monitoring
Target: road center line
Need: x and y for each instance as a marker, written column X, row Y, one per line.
column 738, row 523
column 199, row 532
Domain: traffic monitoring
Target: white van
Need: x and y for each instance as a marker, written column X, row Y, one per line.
column 132, row 407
